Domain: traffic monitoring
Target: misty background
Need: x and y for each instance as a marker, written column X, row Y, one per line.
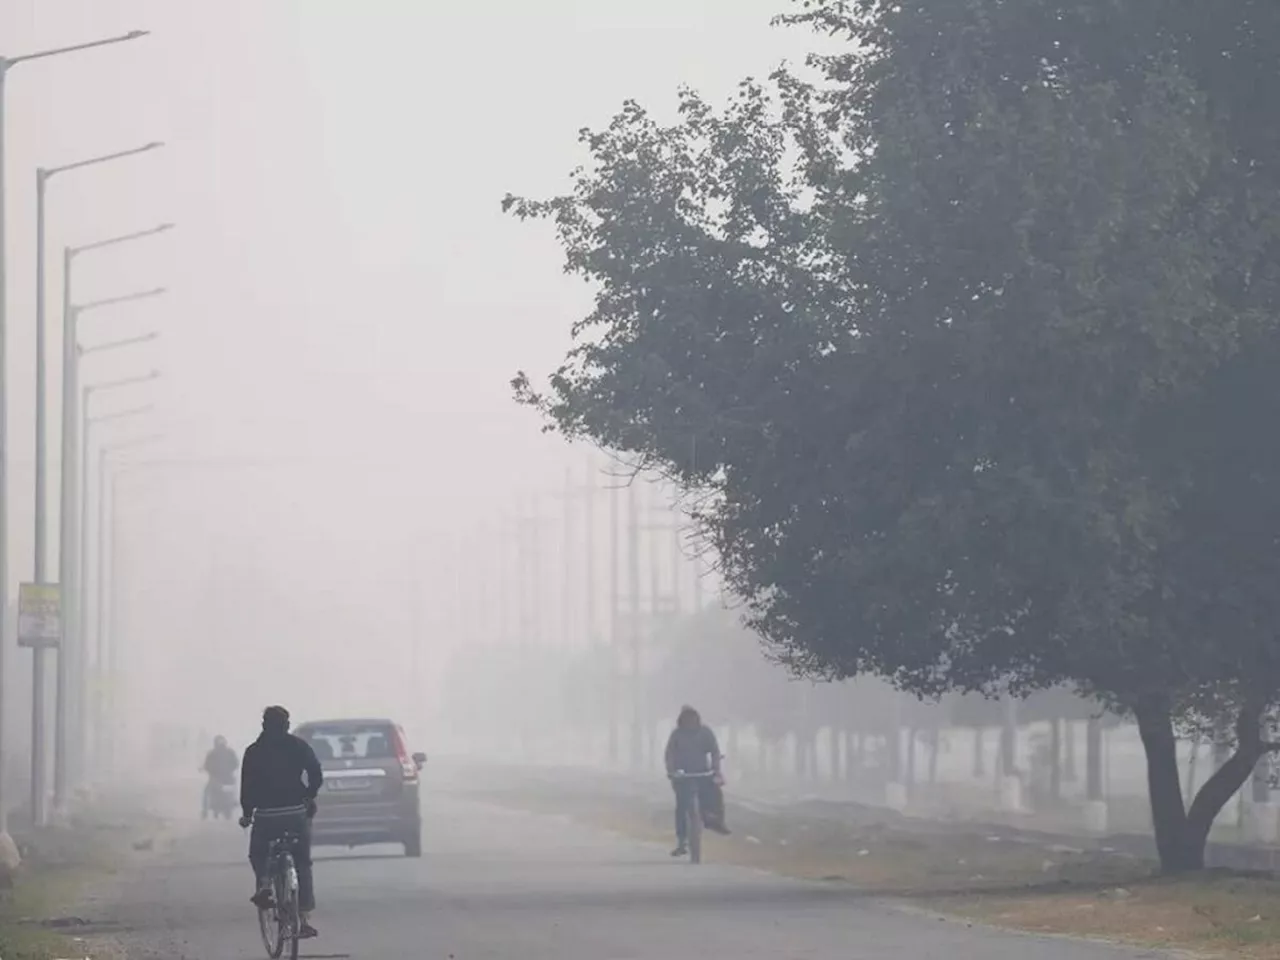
column 341, row 459
column 347, row 512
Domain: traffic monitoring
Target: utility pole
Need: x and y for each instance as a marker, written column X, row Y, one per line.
column 566, row 558
column 654, row 619
column 579, row 737
column 510, row 642
column 633, row 619
column 528, row 566
column 615, row 624
column 679, row 561
column 696, row 562
column 113, row 643
column 662, row 525
column 591, row 631
column 413, row 583
column 589, row 575
column 579, row 613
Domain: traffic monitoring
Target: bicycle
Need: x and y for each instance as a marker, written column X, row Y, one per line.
column 281, row 923
column 694, row 814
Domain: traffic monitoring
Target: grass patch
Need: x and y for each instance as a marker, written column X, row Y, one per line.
column 1000, row 878
column 1215, row 914
column 37, row 914
column 42, row 894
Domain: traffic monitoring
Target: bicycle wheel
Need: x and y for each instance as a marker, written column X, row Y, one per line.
column 695, row 829
column 294, row 924
column 290, row 917
column 271, row 932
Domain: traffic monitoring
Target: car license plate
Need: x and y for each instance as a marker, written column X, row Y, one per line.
column 347, row 783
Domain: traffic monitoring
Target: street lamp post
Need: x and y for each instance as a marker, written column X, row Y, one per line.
column 6, row 63
column 85, row 396
column 86, row 443
column 98, row 706
column 70, row 368
column 78, row 709
column 43, row 176
column 66, row 531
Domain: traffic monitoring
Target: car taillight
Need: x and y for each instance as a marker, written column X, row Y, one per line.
column 407, row 766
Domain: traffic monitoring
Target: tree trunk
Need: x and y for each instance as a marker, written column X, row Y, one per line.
column 935, row 743
column 1009, row 739
column 1055, row 759
column 835, row 752
column 1219, row 789
column 893, row 754
column 979, row 753
column 1261, row 788
column 1093, row 759
column 852, row 754
column 1069, row 774
column 910, row 778
column 1164, row 788
column 1181, row 834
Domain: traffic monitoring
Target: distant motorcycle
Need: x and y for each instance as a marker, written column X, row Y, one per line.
column 219, row 800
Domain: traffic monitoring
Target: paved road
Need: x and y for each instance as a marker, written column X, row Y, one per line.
column 500, row 884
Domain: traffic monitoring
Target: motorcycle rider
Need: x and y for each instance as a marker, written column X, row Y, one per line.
column 276, row 801
column 220, row 764
column 692, row 748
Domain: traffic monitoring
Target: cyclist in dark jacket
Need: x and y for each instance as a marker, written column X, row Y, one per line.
column 275, row 798
column 692, row 748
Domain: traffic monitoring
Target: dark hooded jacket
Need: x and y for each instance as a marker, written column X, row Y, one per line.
column 271, row 775
column 220, row 764
column 692, row 747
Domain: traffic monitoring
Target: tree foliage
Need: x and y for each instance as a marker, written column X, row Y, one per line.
column 963, row 343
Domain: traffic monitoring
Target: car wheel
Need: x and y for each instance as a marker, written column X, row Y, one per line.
column 413, row 844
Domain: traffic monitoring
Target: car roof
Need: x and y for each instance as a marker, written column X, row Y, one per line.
column 349, row 722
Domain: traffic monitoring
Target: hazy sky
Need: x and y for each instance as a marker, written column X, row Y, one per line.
column 344, row 288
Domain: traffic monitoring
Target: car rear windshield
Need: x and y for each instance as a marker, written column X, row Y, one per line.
column 375, row 741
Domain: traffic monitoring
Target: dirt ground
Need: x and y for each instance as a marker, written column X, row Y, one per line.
column 992, row 877
column 62, row 867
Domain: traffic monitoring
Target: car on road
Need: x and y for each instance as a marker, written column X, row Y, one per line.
column 371, row 784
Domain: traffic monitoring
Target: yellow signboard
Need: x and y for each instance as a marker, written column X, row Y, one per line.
column 39, row 615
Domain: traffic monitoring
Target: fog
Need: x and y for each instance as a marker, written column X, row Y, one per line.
column 339, row 507
column 330, row 513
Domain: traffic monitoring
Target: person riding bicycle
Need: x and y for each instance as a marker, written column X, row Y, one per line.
column 276, row 801
column 220, row 766
column 693, row 749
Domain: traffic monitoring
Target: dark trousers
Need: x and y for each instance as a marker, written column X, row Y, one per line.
column 709, row 802
column 268, row 826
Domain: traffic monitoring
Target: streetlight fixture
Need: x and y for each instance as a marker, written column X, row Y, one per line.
column 67, row 531
column 117, row 344
column 72, row 252
column 7, row 63
column 43, row 176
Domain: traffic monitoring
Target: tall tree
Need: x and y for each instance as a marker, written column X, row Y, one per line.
column 961, row 350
